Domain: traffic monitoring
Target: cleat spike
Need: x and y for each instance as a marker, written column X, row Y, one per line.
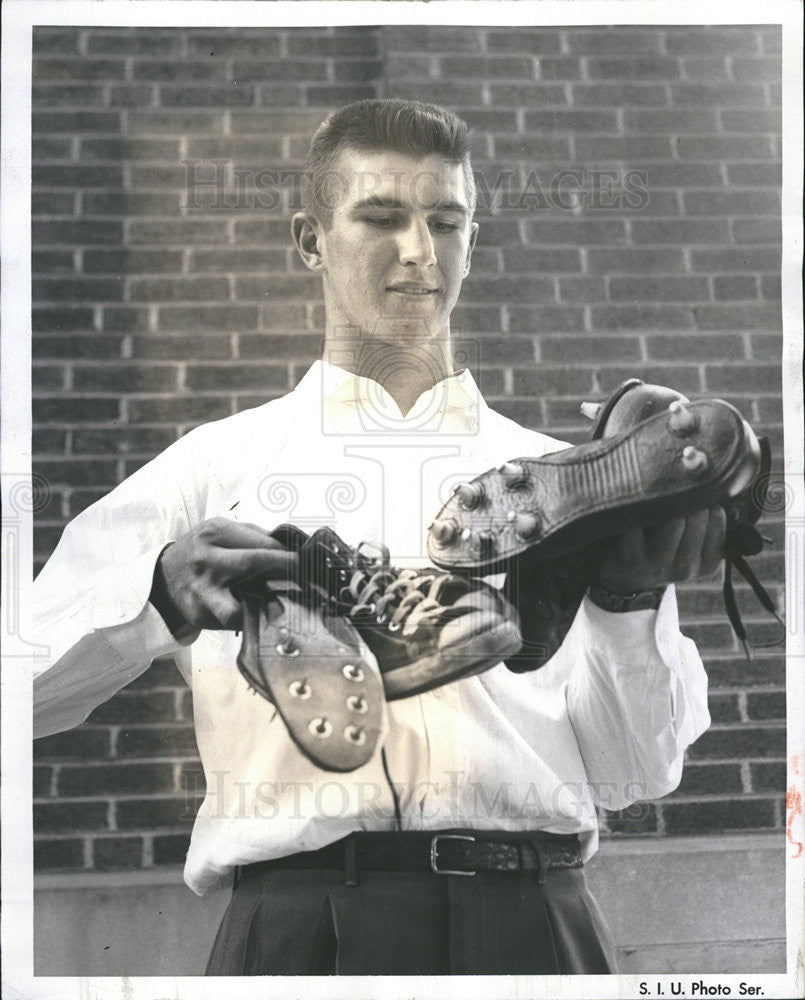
column 525, row 525
column 590, row 410
column 694, row 461
column 512, row 473
column 469, row 495
column 466, row 535
column 444, row 530
column 681, row 421
column 484, row 544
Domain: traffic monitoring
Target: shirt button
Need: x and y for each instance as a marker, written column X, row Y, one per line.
column 437, row 692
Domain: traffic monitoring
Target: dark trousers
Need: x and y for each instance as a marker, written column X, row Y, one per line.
column 309, row 922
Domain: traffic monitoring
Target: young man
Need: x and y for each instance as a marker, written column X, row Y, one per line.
column 515, row 761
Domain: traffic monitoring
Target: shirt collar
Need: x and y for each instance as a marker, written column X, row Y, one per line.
column 339, row 387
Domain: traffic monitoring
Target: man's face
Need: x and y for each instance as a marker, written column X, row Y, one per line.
column 398, row 246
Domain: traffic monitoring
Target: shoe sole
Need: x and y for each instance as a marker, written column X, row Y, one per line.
column 559, row 503
column 479, row 652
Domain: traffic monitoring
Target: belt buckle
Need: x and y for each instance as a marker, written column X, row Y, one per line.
column 434, row 853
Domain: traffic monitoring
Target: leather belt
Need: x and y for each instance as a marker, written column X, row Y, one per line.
column 444, row 852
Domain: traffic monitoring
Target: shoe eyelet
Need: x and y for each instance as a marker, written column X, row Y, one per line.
column 320, row 727
column 393, row 627
column 353, row 673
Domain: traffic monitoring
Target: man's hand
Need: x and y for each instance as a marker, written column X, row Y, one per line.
column 684, row 548
column 194, row 575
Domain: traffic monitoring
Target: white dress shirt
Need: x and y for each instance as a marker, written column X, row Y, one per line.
column 607, row 720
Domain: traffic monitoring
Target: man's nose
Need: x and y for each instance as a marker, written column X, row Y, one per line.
column 416, row 245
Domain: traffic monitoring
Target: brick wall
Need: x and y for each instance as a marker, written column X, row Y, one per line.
column 629, row 182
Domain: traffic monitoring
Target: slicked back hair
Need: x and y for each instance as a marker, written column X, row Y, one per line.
column 410, row 127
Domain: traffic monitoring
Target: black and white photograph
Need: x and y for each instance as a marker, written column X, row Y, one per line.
column 403, row 516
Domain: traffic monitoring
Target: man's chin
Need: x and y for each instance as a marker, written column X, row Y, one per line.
column 408, row 329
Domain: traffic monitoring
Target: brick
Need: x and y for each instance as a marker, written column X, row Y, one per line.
column 117, row 853
column 485, row 319
column 768, row 776
column 710, row 779
column 746, row 120
column 344, row 43
column 153, row 44
column 697, row 347
column 296, row 347
column 613, row 95
column 156, row 741
column 473, row 68
column 124, row 440
column 49, row 442
column 178, row 347
column 771, row 39
column 58, row 853
column 55, row 40
column 131, row 95
column 510, row 349
column 505, row 288
column 658, row 289
column 247, row 401
column 239, row 148
column 641, row 317
column 115, row 779
column 582, row 289
column 575, row 232
column 770, row 286
column 258, row 42
column 740, row 742
column 765, row 347
column 80, row 289
column 82, row 232
column 182, row 409
column 65, row 410
column 724, row 708
column 281, row 286
column 229, row 95
column 552, row 380
column 79, row 500
column 54, row 95
column 424, row 38
column 545, row 319
column 525, row 412
column 125, row 378
column 120, row 148
column 531, row 147
column 766, row 705
column 208, row 318
column 706, row 69
column 632, row 68
column 679, row 231
column 761, row 174
column 622, row 147
column 741, row 317
column 174, row 121
column 575, row 350
column 638, row 818
column 559, row 68
column 681, row 174
column 452, row 94
column 708, row 41
column 43, row 147
column 571, row 121
column 632, row 260
column 52, row 203
column 178, row 70
column 73, row 122
column 155, row 175
column 730, row 259
column 46, row 378
column 92, row 346
column 535, row 260
column 271, row 122
column 712, row 817
column 684, row 378
column 538, row 42
column 131, row 261
column 146, row 814
column 724, row 147
column 236, row 376
column 52, row 261
column 624, row 41
column 731, row 287
column 83, row 472
column 236, row 259
column 355, row 70
column 716, row 95
column 737, row 202
column 157, row 290
column 163, row 672
column 62, row 319
column 170, row 849
column 41, row 781
column 123, row 319
column 71, row 70
column 64, row 817
column 762, row 670
column 678, row 121
column 178, row 231
column 756, row 230
column 752, row 70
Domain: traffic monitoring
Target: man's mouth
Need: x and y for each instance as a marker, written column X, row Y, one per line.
column 409, row 289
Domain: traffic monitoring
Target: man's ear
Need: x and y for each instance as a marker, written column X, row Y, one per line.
column 471, row 247
column 305, row 231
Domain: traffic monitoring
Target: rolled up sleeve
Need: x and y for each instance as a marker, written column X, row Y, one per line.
column 637, row 698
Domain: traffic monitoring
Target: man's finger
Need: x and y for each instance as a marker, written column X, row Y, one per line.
column 223, row 609
column 712, row 552
column 233, row 565
column 226, row 534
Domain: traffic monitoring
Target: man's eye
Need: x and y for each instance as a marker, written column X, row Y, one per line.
column 380, row 221
column 444, row 227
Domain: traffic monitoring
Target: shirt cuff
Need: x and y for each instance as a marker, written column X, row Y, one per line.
column 627, row 635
